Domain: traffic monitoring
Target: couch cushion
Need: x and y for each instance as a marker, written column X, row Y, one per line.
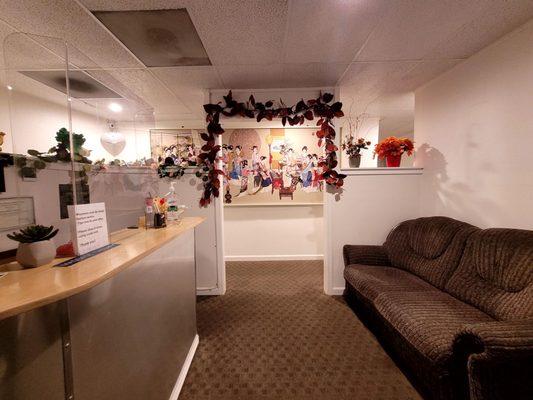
column 370, row 281
column 429, row 320
column 496, row 273
column 429, row 247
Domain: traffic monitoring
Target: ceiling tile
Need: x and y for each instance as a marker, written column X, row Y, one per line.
column 485, row 26
column 190, row 83
column 237, row 32
column 312, row 74
column 421, row 74
column 67, row 20
column 341, row 27
column 371, row 79
column 251, row 76
column 5, row 31
column 199, row 78
column 414, row 30
column 146, row 87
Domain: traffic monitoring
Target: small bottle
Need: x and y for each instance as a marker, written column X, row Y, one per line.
column 149, row 212
column 172, row 204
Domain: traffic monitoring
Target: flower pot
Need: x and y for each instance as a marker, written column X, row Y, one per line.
column 355, row 161
column 36, row 254
column 393, row 161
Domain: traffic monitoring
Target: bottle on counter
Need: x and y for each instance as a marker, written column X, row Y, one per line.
column 172, row 204
column 149, row 212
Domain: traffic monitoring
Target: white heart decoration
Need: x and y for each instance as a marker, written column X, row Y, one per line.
column 113, row 142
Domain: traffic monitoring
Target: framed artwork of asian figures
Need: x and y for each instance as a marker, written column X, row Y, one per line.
column 182, row 145
column 272, row 167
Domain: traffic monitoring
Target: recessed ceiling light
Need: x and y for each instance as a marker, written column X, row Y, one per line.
column 9, row 87
column 115, row 107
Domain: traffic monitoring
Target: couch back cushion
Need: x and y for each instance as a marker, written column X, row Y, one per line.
column 430, row 247
column 496, row 273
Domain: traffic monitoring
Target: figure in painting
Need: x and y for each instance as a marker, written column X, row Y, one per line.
column 236, row 172
column 256, row 158
column 191, row 155
column 264, row 173
column 306, row 174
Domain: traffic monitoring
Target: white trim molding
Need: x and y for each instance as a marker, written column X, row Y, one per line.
column 184, row 369
column 276, row 257
column 215, row 291
column 383, row 171
column 336, row 291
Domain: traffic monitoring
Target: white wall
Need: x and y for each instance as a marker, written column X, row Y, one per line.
column 368, row 208
column 34, row 122
column 474, row 129
column 275, row 232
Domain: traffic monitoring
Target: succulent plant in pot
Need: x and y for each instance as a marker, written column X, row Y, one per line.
column 35, row 245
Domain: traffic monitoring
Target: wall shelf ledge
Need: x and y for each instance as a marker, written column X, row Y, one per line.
column 383, row 171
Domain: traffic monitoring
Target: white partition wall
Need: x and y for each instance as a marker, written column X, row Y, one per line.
column 370, row 205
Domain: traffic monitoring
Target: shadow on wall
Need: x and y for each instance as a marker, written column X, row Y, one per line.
column 441, row 195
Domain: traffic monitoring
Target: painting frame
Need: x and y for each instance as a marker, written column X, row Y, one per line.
column 271, row 180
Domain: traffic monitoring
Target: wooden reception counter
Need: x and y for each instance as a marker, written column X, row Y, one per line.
column 120, row 324
column 23, row 290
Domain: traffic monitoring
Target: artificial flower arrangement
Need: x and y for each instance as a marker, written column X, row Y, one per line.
column 353, row 146
column 160, row 205
column 392, row 149
column 160, row 212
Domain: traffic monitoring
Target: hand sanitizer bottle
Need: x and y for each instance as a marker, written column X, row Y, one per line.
column 172, row 204
column 149, row 212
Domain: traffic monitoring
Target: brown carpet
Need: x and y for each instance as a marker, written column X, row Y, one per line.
column 275, row 335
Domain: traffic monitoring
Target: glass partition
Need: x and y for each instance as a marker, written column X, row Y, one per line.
column 74, row 133
column 34, row 109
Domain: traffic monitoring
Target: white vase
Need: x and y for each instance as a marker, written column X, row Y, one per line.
column 36, row 254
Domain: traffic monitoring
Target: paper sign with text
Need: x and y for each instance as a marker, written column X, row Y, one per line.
column 88, row 224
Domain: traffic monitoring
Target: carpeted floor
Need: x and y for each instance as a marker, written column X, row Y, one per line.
column 275, row 335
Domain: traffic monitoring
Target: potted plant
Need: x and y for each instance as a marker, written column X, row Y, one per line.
column 392, row 148
column 35, row 245
column 353, row 147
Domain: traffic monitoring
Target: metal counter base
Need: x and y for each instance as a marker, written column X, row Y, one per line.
column 128, row 337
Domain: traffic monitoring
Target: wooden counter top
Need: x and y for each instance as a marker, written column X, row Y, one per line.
column 23, row 290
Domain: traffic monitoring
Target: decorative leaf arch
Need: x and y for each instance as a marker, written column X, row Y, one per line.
column 321, row 108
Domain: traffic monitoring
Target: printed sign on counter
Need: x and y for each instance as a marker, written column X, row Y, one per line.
column 89, row 227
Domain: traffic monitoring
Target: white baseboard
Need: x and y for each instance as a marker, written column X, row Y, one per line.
column 184, row 369
column 210, row 292
column 336, row 291
column 276, row 257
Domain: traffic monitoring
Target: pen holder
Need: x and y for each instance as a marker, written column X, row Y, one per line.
column 159, row 221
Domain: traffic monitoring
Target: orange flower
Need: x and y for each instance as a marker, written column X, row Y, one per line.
column 393, row 146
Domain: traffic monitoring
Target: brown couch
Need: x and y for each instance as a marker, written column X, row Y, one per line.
column 452, row 304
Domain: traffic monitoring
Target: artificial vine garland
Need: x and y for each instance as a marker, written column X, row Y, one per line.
column 294, row 115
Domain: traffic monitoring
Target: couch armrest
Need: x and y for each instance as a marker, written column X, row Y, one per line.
column 368, row 255
column 500, row 359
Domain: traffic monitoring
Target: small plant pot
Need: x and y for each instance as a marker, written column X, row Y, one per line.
column 393, row 161
column 35, row 254
column 355, row 161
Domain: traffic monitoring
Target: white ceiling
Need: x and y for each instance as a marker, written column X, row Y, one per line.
column 375, row 50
